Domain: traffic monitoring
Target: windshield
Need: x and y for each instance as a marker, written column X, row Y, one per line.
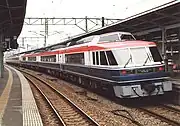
column 139, row 56
column 123, row 57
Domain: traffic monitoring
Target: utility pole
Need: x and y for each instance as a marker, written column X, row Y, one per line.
column 46, row 31
column 22, row 41
column 86, row 24
column 102, row 21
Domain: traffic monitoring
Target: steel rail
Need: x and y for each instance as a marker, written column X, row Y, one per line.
column 161, row 117
column 67, row 99
column 48, row 101
column 171, row 108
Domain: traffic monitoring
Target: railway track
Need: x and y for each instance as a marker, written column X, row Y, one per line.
column 165, row 113
column 129, row 117
column 155, row 111
column 54, row 117
column 171, row 108
column 65, row 110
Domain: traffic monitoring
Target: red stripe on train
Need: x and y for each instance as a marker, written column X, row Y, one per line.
column 100, row 46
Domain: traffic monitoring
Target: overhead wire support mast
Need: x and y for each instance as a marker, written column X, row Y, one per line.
column 94, row 22
column 71, row 21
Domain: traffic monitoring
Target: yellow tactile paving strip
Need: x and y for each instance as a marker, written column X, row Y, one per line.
column 31, row 116
column 5, row 95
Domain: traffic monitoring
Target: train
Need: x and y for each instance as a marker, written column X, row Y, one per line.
column 114, row 63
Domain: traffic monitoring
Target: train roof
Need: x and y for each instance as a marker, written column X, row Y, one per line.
column 118, row 32
column 94, row 41
column 94, row 47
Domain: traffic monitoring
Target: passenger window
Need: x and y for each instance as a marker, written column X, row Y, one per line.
column 155, row 54
column 109, row 38
column 80, row 42
column 24, row 58
column 75, row 58
column 49, row 58
column 103, row 58
column 97, row 58
column 31, row 58
column 111, row 59
column 93, row 57
column 127, row 37
column 85, row 40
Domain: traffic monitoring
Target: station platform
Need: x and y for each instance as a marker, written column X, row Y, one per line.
column 176, row 89
column 17, row 103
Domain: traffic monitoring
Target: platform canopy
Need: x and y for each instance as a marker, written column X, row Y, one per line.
column 12, row 13
column 165, row 16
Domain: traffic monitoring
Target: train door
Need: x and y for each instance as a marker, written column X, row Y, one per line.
column 87, row 57
column 57, row 58
column 62, row 58
column 90, row 58
column 38, row 58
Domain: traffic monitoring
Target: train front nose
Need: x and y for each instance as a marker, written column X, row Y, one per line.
column 143, row 88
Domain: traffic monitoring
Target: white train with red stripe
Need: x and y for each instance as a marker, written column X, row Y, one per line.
column 114, row 63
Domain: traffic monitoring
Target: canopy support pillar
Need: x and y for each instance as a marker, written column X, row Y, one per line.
column 1, row 57
column 164, row 44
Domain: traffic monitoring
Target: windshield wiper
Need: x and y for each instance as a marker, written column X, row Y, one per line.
column 146, row 59
column 128, row 61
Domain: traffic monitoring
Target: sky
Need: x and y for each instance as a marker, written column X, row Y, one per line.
column 90, row 8
column 117, row 9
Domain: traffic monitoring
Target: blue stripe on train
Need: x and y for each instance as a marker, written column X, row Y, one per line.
column 102, row 73
column 140, row 76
